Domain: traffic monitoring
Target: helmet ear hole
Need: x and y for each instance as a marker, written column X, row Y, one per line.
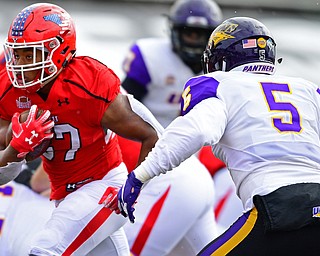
column 65, row 50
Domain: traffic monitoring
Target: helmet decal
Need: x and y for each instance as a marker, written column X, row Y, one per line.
column 55, row 18
column 60, row 20
column 249, row 43
column 223, row 33
column 19, row 22
column 262, row 43
column 262, row 55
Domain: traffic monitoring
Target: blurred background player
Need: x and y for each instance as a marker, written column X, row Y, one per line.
column 227, row 205
column 156, row 70
column 22, row 213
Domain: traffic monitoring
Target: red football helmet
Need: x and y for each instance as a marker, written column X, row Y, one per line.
column 40, row 27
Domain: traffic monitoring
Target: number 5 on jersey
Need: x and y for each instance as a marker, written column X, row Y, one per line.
column 186, row 98
column 294, row 125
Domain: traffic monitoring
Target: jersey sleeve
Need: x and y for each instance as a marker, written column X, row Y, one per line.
column 94, row 84
column 197, row 89
column 135, row 68
column 106, row 89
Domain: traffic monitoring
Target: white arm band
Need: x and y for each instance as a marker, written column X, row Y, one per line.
column 10, row 171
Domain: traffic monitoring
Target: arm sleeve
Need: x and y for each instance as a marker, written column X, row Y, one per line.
column 203, row 125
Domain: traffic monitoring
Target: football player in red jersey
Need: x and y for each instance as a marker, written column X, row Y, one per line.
column 81, row 96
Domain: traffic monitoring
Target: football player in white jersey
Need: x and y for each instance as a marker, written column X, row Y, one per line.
column 157, row 68
column 265, row 127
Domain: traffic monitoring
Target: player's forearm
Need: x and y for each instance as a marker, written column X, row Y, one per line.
column 10, row 165
column 146, row 145
column 9, row 155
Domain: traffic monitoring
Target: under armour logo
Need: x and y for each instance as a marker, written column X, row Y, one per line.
column 60, row 102
column 71, row 187
column 34, row 134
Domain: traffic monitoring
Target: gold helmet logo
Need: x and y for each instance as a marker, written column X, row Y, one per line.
column 222, row 33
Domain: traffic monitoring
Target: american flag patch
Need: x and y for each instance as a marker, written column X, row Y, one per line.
column 249, row 43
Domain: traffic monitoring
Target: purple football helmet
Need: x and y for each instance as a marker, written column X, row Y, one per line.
column 194, row 19
column 238, row 41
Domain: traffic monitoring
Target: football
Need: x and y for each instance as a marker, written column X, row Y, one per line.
column 38, row 150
